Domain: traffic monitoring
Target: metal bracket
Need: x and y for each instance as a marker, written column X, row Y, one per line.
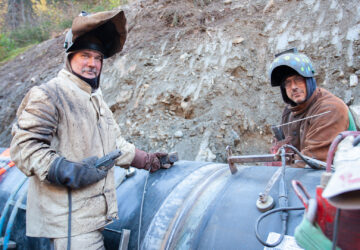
column 232, row 166
column 124, row 241
column 251, row 158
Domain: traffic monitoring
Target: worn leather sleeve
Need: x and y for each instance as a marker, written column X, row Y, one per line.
column 321, row 131
column 313, row 136
column 32, row 133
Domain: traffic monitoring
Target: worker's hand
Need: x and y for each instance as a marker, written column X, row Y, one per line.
column 275, row 150
column 278, row 144
column 150, row 161
column 75, row 175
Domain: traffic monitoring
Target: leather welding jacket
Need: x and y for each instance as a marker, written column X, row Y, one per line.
column 63, row 117
column 313, row 136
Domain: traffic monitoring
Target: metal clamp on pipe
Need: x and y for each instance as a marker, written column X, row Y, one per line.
column 252, row 158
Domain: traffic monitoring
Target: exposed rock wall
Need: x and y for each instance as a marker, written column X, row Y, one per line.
column 193, row 74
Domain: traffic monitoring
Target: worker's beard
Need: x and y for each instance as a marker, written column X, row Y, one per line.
column 93, row 82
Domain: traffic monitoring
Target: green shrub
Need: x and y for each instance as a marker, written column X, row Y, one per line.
column 31, row 34
column 13, row 53
column 6, row 45
column 52, row 16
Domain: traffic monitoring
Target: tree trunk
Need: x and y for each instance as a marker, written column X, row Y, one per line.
column 20, row 13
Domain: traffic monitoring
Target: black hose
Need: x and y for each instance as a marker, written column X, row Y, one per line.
column 283, row 202
column 356, row 141
column 69, row 219
column 283, row 226
column 142, row 206
column 312, row 164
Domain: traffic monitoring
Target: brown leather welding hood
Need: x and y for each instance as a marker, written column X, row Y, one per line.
column 103, row 31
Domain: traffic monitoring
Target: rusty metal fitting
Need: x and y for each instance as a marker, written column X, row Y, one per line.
column 264, row 202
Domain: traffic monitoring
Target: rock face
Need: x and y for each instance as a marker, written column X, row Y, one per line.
column 193, row 75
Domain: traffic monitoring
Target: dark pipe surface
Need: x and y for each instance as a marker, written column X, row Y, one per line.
column 193, row 205
column 197, row 205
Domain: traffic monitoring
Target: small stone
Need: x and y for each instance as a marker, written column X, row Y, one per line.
column 184, row 56
column 201, row 130
column 353, row 80
column 123, row 96
column 235, row 137
column 348, row 98
column 269, row 6
column 238, row 40
column 184, row 105
column 178, row 134
column 228, row 113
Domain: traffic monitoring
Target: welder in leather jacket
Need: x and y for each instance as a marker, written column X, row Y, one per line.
column 322, row 115
column 63, row 127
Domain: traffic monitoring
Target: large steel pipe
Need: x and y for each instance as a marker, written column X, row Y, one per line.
column 193, row 205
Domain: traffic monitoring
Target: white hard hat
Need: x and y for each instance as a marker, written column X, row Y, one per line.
column 343, row 189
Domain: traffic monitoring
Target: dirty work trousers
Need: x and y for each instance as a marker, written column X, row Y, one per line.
column 88, row 241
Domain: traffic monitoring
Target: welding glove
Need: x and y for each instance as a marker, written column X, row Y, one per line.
column 75, row 175
column 148, row 161
column 278, row 144
column 275, row 150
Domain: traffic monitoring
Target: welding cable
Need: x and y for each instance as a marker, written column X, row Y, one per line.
column 283, row 202
column 12, row 219
column 141, row 206
column 284, row 227
column 312, row 164
column 69, row 219
column 356, row 141
column 8, row 203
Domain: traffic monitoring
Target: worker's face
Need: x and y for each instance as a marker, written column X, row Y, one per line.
column 295, row 87
column 86, row 63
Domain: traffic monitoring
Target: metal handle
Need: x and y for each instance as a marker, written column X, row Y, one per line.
column 298, row 188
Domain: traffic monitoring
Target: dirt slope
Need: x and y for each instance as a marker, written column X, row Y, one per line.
column 193, row 74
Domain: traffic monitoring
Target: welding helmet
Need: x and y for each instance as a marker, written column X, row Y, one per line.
column 288, row 62
column 103, row 31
